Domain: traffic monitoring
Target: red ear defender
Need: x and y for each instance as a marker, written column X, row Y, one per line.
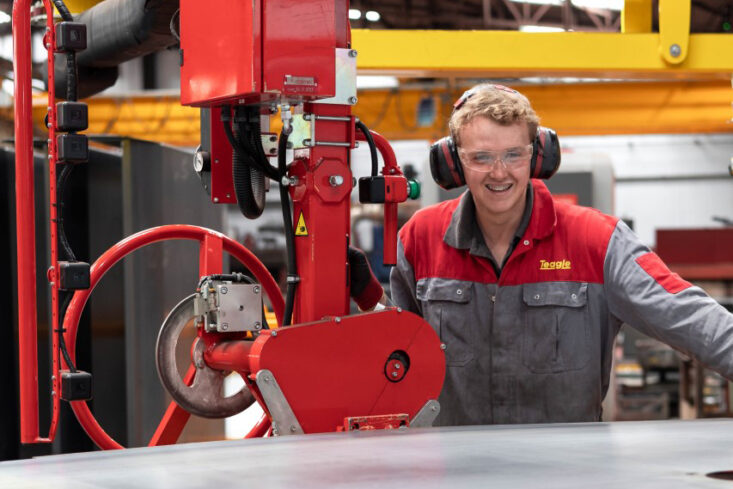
column 545, row 154
column 445, row 165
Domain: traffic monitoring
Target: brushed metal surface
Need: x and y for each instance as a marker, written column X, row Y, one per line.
column 653, row 454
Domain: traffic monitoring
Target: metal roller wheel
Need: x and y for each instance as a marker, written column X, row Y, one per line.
column 204, row 397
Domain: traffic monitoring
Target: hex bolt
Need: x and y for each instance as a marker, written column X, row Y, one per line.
column 353, row 53
column 224, row 290
column 335, row 180
column 397, row 366
column 225, row 326
column 258, row 325
column 274, row 333
column 293, row 428
column 675, row 50
column 394, row 374
column 337, row 319
column 434, row 408
column 443, row 346
column 266, row 379
column 256, row 289
column 352, row 100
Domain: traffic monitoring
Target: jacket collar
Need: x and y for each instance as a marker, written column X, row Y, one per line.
column 538, row 221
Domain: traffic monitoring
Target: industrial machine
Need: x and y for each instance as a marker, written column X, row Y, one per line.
column 322, row 369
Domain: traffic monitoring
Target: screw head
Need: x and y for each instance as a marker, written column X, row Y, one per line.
column 336, row 180
column 258, row 326
column 352, row 100
column 675, row 50
column 337, row 319
column 292, row 428
column 443, row 346
column 256, row 289
column 274, row 333
column 225, row 326
column 224, row 290
column 353, row 53
column 394, row 374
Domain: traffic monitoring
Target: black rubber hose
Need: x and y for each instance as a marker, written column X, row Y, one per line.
column 293, row 279
column 249, row 182
column 372, row 146
column 60, row 188
column 71, row 77
column 65, row 14
column 226, row 118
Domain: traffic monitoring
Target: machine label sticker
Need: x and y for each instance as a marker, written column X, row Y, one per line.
column 301, row 229
column 555, row 265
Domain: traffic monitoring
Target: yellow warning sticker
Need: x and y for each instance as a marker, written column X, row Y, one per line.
column 301, row 229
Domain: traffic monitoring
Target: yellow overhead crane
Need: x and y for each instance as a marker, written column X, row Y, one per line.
column 682, row 80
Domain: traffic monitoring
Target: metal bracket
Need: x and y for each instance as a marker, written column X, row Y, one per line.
column 284, row 421
column 427, row 414
column 674, row 30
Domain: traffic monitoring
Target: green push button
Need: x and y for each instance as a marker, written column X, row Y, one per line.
column 413, row 189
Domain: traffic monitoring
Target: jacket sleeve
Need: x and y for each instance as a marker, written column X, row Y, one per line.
column 644, row 293
column 402, row 283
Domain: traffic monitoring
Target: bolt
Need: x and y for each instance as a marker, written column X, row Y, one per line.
column 224, row 290
column 356, row 144
column 216, row 160
column 274, row 333
column 225, row 326
column 675, row 50
column 293, row 428
column 266, row 379
column 337, row 319
column 228, row 195
column 394, row 374
column 258, row 326
column 335, row 180
column 352, row 100
column 443, row 346
column 285, row 181
column 256, row 289
column 307, row 117
column 353, row 53
column 397, row 366
column 216, row 199
column 399, row 309
column 434, row 408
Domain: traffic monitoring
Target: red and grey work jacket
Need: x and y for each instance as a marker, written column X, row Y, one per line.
column 535, row 344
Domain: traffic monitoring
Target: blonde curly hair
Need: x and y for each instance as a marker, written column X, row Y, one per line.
column 497, row 103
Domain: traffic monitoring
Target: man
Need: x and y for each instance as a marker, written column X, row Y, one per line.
column 528, row 294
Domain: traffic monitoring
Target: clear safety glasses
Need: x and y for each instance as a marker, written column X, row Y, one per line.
column 482, row 160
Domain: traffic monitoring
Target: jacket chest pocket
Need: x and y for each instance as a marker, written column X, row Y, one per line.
column 447, row 306
column 556, row 335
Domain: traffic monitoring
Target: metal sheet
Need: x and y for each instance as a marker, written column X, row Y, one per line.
column 651, row 454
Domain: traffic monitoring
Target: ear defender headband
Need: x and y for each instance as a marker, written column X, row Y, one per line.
column 445, row 164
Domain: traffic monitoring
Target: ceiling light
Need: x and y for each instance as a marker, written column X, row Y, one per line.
column 4, row 17
column 540, row 28
column 354, row 14
column 372, row 16
column 376, row 81
column 600, row 4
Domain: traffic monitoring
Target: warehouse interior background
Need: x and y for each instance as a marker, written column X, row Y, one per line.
column 653, row 147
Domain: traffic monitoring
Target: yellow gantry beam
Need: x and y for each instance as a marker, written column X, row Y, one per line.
column 510, row 54
column 570, row 109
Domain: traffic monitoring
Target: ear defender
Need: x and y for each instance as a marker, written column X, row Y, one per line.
column 447, row 171
column 445, row 164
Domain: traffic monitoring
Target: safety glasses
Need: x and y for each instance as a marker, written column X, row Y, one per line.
column 482, row 160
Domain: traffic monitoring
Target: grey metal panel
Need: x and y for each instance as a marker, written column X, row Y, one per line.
column 663, row 454
column 159, row 187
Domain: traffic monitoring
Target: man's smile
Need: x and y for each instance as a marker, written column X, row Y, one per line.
column 499, row 188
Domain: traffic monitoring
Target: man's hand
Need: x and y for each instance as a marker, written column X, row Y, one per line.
column 365, row 288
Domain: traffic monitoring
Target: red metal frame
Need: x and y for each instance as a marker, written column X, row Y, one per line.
column 212, row 243
column 25, row 222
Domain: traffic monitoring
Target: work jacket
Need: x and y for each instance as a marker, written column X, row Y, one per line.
column 535, row 344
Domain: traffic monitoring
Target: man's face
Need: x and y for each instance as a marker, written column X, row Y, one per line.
column 499, row 189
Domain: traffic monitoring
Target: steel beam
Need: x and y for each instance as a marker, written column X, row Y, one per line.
column 434, row 53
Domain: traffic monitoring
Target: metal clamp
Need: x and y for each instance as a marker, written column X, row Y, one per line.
column 426, row 416
column 284, row 421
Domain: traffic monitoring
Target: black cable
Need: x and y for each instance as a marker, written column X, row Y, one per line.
column 372, row 147
column 60, row 188
column 63, row 10
column 172, row 25
column 293, row 278
column 61, row 331
column 71, row 77
column 226, row 117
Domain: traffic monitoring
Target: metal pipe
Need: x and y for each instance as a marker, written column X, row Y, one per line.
column 229, row 356
column 385, row 149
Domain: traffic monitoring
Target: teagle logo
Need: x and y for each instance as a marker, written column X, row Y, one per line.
column 555, row 265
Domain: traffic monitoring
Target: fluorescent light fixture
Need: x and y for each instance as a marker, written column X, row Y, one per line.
column 540, row 28
column 600, row 4
column 540, row 2
column 374, row 81
column 372, row 16
column 4, row 18
column 354, row 14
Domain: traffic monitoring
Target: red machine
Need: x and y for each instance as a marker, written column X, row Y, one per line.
column 329, row 371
